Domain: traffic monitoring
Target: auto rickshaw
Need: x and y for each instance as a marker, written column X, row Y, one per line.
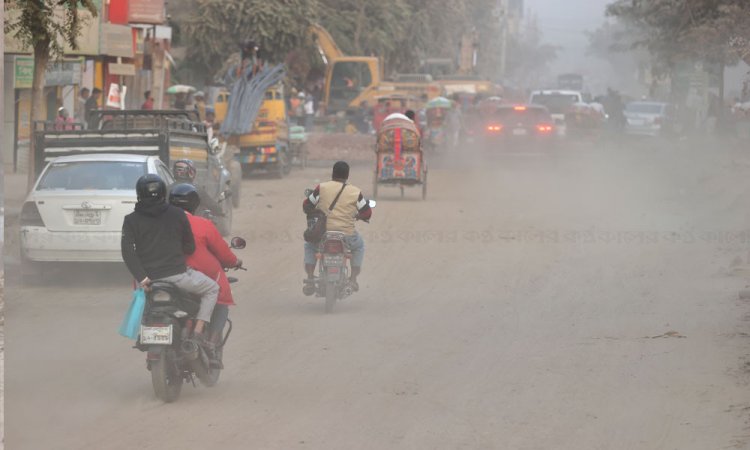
column 400, row 160
column 388, row 104
column 441, row 132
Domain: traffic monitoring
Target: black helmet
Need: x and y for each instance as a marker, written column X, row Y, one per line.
column 151, row 186
column 185, row 196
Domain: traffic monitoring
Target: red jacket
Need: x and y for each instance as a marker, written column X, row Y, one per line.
column 211, row 255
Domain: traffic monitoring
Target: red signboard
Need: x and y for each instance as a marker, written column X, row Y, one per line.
column 118, row 11
column 146, row 11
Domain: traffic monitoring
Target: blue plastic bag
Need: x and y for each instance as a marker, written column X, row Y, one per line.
column 131, row 323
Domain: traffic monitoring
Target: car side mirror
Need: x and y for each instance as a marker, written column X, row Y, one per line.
column 237, row 243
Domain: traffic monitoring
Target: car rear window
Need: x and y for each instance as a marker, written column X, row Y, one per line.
column 644, row 108
column 527, row 116
column 96, row 175
column 556, row 103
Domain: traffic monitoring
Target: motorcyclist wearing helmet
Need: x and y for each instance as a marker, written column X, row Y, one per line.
column 156, row 238
column 184, row 171
column 211, row 256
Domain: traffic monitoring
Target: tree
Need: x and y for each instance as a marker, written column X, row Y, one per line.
column 216, row 28
column 365, row 27
column 614, row 42
column 676, row 30
column 46, row 27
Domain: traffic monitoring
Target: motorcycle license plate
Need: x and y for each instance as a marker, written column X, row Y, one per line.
column 156, row 335
column 333, row 260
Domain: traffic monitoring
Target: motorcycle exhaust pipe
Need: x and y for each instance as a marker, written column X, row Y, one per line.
column 190, row 350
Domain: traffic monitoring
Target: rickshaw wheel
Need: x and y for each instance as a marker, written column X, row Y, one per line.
column 424, row 187
column 375, row 189
column 402, row 190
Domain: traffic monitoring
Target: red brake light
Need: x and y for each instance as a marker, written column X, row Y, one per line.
column 333, row 247
column 544, row 128
column 494, row 127
column 519, row 108
column 30, row 216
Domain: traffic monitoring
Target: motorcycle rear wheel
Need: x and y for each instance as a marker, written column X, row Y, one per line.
column 330, row 296
column 165, row 379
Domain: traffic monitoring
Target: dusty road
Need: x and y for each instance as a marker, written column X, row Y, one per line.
column 583, row 302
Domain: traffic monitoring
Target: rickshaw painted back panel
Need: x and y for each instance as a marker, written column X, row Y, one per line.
column 399, row 151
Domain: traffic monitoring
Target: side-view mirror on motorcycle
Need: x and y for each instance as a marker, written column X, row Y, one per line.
column 237, row 243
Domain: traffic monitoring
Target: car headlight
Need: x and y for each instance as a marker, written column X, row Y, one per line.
column 161, row 296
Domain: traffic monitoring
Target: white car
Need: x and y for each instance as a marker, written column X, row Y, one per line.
column 558, row 102
column 76, row 208
column 649, row 118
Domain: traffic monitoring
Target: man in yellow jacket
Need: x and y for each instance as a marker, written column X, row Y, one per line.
column 350, row 207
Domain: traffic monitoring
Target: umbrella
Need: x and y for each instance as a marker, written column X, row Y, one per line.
column 180, row 89
column 439, row 102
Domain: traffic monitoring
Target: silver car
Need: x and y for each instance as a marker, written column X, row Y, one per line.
column 648, row 118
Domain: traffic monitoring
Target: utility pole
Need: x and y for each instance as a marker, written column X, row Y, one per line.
column 501, row 14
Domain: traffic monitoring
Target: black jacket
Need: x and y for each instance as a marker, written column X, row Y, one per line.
column 155, row 239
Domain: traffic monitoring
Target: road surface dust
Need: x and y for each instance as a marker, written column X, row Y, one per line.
column 583, row 300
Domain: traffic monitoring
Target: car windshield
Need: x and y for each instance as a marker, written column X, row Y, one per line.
column 556, row 103
column 92, row 175
column 644, row 108
column 524, row 115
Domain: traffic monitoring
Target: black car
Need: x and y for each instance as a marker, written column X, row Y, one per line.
column 518, row 126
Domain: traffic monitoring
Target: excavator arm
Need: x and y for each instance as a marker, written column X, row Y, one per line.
column 325, row 43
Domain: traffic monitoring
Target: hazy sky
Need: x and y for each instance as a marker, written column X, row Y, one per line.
column 563, row 23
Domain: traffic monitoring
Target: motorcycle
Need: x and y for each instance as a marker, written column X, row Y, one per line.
column 172, row 356
column 332, row 281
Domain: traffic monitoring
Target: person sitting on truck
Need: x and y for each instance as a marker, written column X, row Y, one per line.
column 63, row 121
column 148, row 102
column 156, row 238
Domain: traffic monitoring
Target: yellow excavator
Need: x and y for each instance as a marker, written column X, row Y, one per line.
column 351, row 80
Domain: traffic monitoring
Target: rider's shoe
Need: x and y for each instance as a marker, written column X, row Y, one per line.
column 354, row 285
column 309, row 287
column 209, row 346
